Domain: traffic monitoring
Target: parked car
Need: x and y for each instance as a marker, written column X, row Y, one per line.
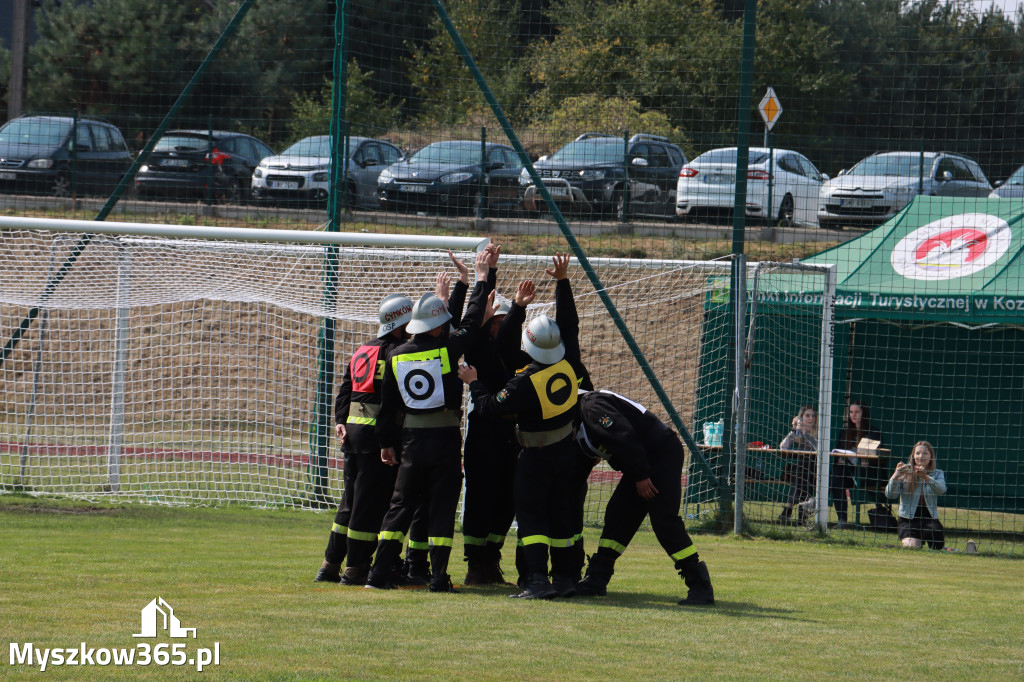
column 879, row 186
column 446, row 177
column 56, row 155
column 195, row 164
column 605, row 175
column 1011, row 188
column 708, row 183
column 302, row 172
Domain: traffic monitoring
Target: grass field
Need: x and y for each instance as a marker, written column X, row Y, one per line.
column 73, row 573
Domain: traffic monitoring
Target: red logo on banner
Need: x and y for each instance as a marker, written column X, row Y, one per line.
column 971, row 242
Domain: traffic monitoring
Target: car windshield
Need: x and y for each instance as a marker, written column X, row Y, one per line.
column 728, row 156
column 182, row 143
column 35, row 131
column 593, row 151
column 1017, row 178
column 310, row 146
column 458, row 154
column 900, row 165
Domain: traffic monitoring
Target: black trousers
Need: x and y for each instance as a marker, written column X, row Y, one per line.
column 546, row 486
column 570, row 563
column 799, row 473
column 840, row 480
column 368, row 487
column 431, row 475
column 490, row 463
column 626, row 510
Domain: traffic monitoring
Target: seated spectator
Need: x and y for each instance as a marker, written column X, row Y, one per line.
column 918, row 484
column 799, row 471
column 858, row 426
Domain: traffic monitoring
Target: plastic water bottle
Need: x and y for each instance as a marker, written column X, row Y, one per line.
column 719, row 431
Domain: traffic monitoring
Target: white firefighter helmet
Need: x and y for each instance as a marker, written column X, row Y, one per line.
column 543, row 341
column 504, row 306
column 428, row 313
column 395, row 310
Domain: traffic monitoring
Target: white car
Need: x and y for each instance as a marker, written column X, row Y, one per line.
column 708, row 183
column 878, row 187
column 302, row 172
column 1011, row 188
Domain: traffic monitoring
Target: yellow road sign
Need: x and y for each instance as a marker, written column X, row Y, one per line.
column 770, row 108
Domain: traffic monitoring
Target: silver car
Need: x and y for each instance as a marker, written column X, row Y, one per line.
column 879, row 186
column 302, row 172
column 1011, row 188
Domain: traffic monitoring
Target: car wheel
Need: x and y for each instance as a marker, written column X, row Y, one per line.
column 786, row 211
column 230, row 193
column 61, row 186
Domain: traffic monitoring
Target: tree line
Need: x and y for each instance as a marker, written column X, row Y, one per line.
column 854, row 76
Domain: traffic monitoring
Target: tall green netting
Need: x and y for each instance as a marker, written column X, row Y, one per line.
column 627, row 110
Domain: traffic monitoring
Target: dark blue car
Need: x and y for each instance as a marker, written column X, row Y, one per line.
column 457, row 176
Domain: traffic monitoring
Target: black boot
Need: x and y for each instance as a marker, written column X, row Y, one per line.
column 416, row 572
column 355, row 575
column 328, row 573
column 537, row 587
column 698, row 582
column 476, row 572
column 600, row 569
column 564, row 585
column 442, row 582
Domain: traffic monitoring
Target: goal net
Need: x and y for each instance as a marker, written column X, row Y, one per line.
column 784, row 350
column 180, row 368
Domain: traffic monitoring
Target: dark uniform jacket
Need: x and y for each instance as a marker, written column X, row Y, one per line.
column 358, row 401
column 626, row 434
column 421, row 375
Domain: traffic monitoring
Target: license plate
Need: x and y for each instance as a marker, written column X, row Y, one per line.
column 415, row 189
column 8, row 176
column 558, row 191
column 856, row 203
column 718, row 179
column 279, row 184
column 175, row 163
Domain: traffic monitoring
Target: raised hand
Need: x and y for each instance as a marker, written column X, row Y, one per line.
column 525, row 293
column 461, row 266
column 561, row 267
column 442, row 286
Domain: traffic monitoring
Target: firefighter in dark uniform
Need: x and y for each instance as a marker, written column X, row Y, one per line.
column 566, row 566
column 491, row 450
column 368, row 481
column 543, row 398
column 650, row 457
column 421, row 408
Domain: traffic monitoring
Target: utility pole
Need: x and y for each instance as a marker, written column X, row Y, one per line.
column 19, row 46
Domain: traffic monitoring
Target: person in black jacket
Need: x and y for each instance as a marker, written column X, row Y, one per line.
column 542, row 397
column 841, row 477
column 491, row 450
column 368, row 481
column 650, row 457
column 421, row 410
column 568, row 556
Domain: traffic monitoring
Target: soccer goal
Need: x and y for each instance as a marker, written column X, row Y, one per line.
column 180, row 365
column 756, row 376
